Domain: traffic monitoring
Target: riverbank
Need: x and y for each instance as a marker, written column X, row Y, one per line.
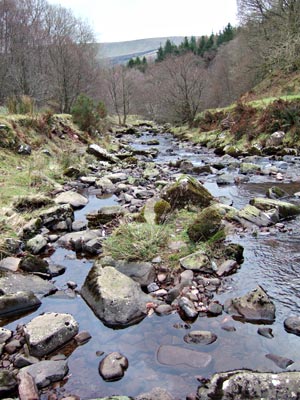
column 155, row 237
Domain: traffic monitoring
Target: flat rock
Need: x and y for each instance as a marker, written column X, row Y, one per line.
column 10, row 264
column 104, row 215
column 46, row 372
column 198, row 262
column 175, row 355
column 284, row 208
column 101, row 154
column 200, row 337
column 76, row 200
column 49, row 331
column 228, row 267
column 77, row 239
column 113, row 367
column 254, row 306
column 11, row 283
column 18, row 303
column 258, row 217
column 141, row 272
column 27, row 387
column 247, row 385
column 114, row 297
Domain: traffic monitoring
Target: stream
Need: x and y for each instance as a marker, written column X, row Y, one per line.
column 272, row 260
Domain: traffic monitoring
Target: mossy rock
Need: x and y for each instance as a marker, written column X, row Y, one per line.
column 72, row 172
column 206, row 225
column 249, row 168
column 32, row 202
column 186, row 191
column 8, row 138
column 161, row 210
column 285, row 209
column 276, row 192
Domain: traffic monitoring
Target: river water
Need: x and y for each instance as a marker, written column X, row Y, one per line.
column 272, row 260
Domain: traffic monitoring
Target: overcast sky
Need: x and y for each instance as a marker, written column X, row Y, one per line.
column 120, row 20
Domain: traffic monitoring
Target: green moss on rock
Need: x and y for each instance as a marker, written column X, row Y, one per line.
column 206, row 225
column 161, row 209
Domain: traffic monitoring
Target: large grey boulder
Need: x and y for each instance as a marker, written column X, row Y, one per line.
column 258, row 217
column 46, row 372
column 254, row 306
column 115, row 298
column 248, row 385
column 18, row 303
column 12, row 283
column 101, row 154
column 76, row 200
column 141, row 272
column 49, row 331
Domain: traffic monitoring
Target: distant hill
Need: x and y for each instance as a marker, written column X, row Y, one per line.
column 121, row 52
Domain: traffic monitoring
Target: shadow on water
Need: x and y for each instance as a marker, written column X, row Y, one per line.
column 271, row 261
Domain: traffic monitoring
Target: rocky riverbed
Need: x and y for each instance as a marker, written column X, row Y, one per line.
column 82, row 325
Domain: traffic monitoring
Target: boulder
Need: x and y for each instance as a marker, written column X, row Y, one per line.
column 46, row 372
column 105, row 185
column 187, row 308
column 285, row 209
column 115, row 298
column 258, row 217
column 248, row 385
column 141, row 272
column 249, row 168
column 104, row 215
column 48, row 332
column 185, row 191
column 18, row 303
column 36, row 244
column 175, row 355
column 254, row 306
column 276, row 192
column 77, row 240
column 225, row 179
column 11, row 283
column 10, row 264
column 276, row 139
column 113, row 367
column 53, row 215
column 117, row 177
column 198, row 262
column 228, row 267
column 75, row 199
column 101, row 154
column 34, row 264
column 207, row 223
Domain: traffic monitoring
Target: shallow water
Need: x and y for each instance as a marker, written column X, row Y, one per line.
column 272, row 261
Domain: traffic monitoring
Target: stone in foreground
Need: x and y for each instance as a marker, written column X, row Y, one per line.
column 254, row 306
column 175, row 355
column 8, row 383
column 48, row 332
column 113, row 367
column 115, row 298
column 46, row 372
column 247, row 385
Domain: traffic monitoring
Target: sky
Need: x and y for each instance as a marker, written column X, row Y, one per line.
column 121, row 20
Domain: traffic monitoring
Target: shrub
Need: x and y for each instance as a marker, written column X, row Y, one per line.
column 243, row 121
column 86, row 114
column 136, row 241
column 20, row 105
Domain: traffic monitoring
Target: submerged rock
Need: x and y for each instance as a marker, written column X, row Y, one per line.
column 49, row 331
column 281, row 362
column 11, row 283
column 248, row 385
column 175, row 355
column 200, row 337
column 254, row 306
column 113, row 367
column 155, row 394
column 115, row 298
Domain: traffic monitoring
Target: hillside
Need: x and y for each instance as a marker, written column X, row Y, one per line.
column 121, row 52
